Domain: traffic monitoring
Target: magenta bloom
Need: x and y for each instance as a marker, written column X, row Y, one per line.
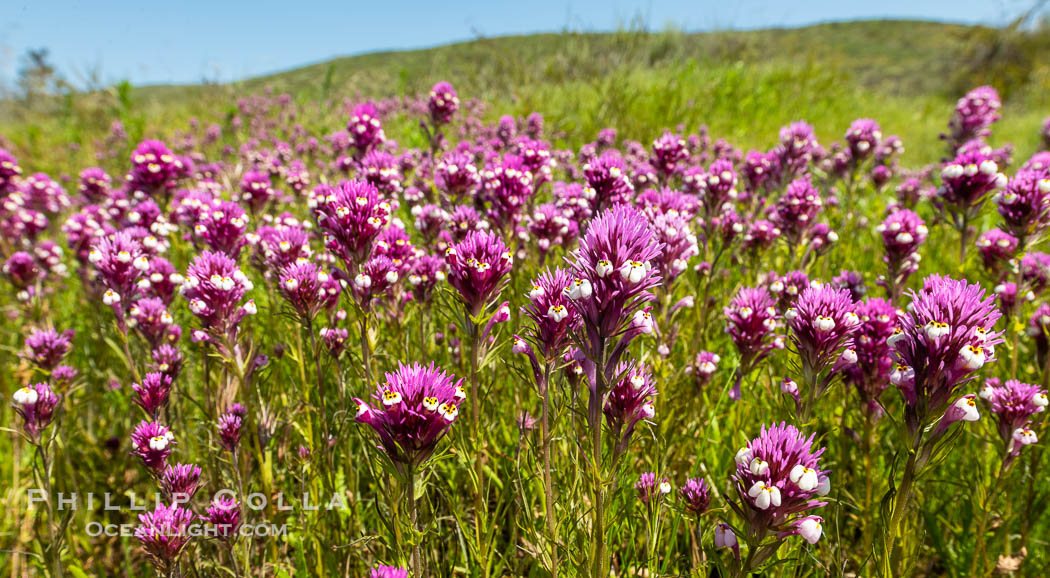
column 944, row 338
column 36, row 405
column 608, row 182
column 41, row 193
column 506, row 188
column 167, row 359
column 903, row 232
column 823, row 322
column 974, row 114
column 614, row 269
column 153, row 393
column 871, row 374
column 798, row 143
column 180, row 481
column 1014, row 404
column 796, row 210
column 966, row 182
column 256, row 190
column 443, row 103
column 225, row 514
column 426, row 272
column 413, row 410
column 761, row 170
column 380, row 169
column 388, row 572
column 120, row 262
column 1025, row 204
column 214, row 288
column 551, row 313
column 457, row 176
column 365, row 129
column 222, row 227
column 154, row 170
column 375, row 281
column 164, row 533
column 678, row 243
column 9, row 171
column 703, row 367
column 863, row 138
column 996, row 248
column 47, row 347
column 230, row 430
column 476, row 268
column 751, row 321
column 152, row 319
column 281, row 245
column 23, row 271
column 669, row 151
column 307, row 288
column 629, row 401
column 779, row 479
column 695, row 495
column 351, row 215
column 152, row 443
column 94, row 184
column 551, row 227
column 650, row 488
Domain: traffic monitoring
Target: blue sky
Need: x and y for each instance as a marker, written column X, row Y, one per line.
column 184, row 41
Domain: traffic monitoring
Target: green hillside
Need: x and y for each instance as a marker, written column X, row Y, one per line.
column 742, row 84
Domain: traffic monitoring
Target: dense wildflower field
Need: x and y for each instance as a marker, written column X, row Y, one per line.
column 421, row 339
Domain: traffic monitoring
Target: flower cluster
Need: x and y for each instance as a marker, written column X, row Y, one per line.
column 414, row 409
column 36, row 405
column 1014, row 404
column 351, row 215
column 650, row 488
column 213, row 289
column 476, row 268
column 629, row 401
column 946, row 335
column 751, row 322
column 779, row 480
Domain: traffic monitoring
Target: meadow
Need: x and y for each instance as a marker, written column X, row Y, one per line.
column 628, row 304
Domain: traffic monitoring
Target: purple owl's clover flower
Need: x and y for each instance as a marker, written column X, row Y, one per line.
column 630, row 401
column 213, row 288
column 414, row 409
column 164, row 533
column 945, row 337
column 443, row 103
column 751, row 322
column 966, row 182
column 224, row 513
column 651, row 489
column 36, row 405
column 823, row 322
column 779, row 481
column 871, row 374
column 974, row 115
column 152, row 443
column 120, row 261
column 46, row 347
column 476, row 269
column 1014, row 404
column 608, row 183
column 153, row 393
column 351, row 216
column 903, row 232
column 1024, row 205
